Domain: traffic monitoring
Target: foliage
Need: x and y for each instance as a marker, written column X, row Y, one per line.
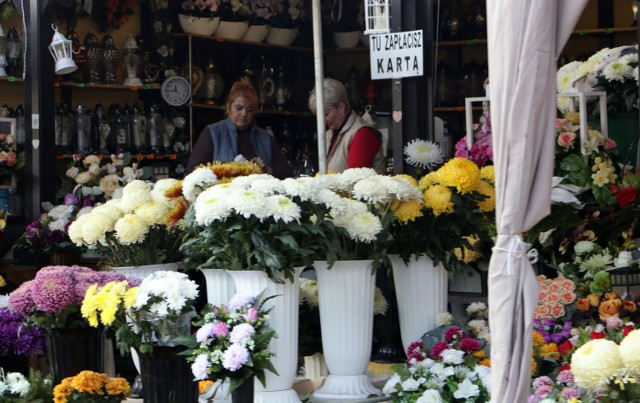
column 16, row 388
column 448, row 365
column 17, row 336
column 455, row 214
column 92, row 387
column 132, row 230
column 232, row 341
column 155, row 312
column 53, row 298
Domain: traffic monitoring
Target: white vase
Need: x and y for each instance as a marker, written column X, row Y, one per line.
column 345, row 297
column 282, row 36
column 256, row 33
column 346, row 39
column 283, row 318
column 220, row 286
column 141, row 272
column 198, row 25
column 421, row 292
column 232, row 29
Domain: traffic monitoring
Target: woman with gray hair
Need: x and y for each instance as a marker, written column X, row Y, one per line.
column 351, row 141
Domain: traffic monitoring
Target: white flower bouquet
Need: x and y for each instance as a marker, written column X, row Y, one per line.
column 131, row 230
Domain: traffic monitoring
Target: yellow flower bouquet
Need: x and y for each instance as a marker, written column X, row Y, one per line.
column 453, row 220
column 90, row 387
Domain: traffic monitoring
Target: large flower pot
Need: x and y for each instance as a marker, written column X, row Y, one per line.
column 345, row 296
column 281, row 36
column 346, row 39
column 283, row 318
column 421, row 291
column 167, row 377
column 256, row 33
column 232, row 29
column 220, row 286
column 198, row 25
column 75, row 349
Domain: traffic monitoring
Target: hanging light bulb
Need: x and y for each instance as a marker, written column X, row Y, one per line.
column 60, row 49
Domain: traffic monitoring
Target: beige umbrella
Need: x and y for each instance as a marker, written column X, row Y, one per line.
column 524, row 39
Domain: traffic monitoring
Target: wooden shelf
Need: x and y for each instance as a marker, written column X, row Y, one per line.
column 98, row 86
column 241, row 42
column 262, row 112
column 138, row 157
column 12, row 79
column 454, row 108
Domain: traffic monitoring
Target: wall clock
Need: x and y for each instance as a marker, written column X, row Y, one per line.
column 175, row 90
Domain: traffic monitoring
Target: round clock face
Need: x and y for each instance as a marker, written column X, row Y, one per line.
column 175, row 90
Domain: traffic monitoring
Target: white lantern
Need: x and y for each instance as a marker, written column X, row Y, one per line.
column 376, row 16
column 60, row 49
column 3, row 57
column 132, row 61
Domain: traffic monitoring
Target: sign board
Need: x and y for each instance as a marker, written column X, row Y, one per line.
column 396, row 55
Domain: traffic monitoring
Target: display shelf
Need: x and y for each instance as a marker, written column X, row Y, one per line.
column 241, row 42
column 262, row 112
column 99, row 86
column 139, row 156
column 11, row 79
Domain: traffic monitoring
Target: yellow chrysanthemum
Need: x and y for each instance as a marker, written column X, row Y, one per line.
column 488, row 173
column 534, row 367
column 488, row 204
column 89, row 308
column 461, row 173
column 595, row 363
column 573, row 117
column 2, row 282
column 465, row 254
column 131, row 229
column 408, row 178
column 229, row 170
column 153, row 213
column 438, row 199
column 480, row 354
column 118, row 386
column 486, row 362
column 630, row 351
column 538, row 339
column 550, row 351
column 408, row 211
column 130, row 297
column 428, row 180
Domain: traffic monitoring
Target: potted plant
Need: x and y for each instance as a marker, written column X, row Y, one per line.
column 234, row 19
column 18, row 338
column 232, row 343
column 16, row 387
column 199, row 16
column 51, row 301
column 92, row 387
column 259, row 21
column 148, row 316
column 284, row 22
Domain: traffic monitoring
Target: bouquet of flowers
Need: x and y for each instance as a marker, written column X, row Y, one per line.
column 232, row 342
column 17, row 388
column 481, row 152
column 132, row 230
column 11, row 161
column 92, row 387
column 53, row 298
column 552, row 345
column 17, row 336
column 200, row 8
column 453, row 214
column 555, row 296
column 234, row 10
column 451, row 366
column 155, row 311
column 286, row 13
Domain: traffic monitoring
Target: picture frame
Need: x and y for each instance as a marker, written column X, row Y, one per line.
column 8, row 126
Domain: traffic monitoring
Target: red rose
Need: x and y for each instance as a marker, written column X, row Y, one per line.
column 565, row 348
column 626, row 196
column 565, row 367
column 613, row 188
column 626, row 329
column 597, row 335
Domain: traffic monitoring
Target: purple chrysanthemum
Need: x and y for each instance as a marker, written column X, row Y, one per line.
column 71, row 200
column 240, row 300
column 18, row 338
column 235, row 357
column 542, row 381
column 52, row 238
column 570, row 393
column 20, row 299
column 53, row 291
column 206, row 331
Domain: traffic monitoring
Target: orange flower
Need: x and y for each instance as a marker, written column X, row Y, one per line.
column 583, row 304
column 550, row 351
column 204, row 385
column 177, row 213
column 630, row 306
column 594, row 300
column 174, row 191
column 538, row 339
column 534, row 367
column 611, row 295
column 609, row 308
column 486, row 362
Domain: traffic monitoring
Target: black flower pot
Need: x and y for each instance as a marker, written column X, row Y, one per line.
column 166, row 377
column 244, row 393
column 75, row 349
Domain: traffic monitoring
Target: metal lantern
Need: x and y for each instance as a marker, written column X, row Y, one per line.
column 132, row 62
column 3, row 49
column 61, row 50
column 376, row 16
column 627, row 278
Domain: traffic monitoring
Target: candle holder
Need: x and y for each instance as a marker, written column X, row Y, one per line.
column 132, row 62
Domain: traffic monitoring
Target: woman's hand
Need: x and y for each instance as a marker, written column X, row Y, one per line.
column 265, row 168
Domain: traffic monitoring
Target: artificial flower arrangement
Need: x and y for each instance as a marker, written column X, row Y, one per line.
column 555, row 297
column 154, row 311
column 18, row 388
column 612, row 70
column 53, row 298
column 11, row 161
column 132, row 230
column 453, row 215
column 481, row 152
column 17, row 336
column 91, row 387
column 232, row 342
column 286, row 13
column 234, row 10
column 448, row 365
column 200, row 8
column 262, row 11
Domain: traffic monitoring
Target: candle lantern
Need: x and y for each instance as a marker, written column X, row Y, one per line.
column 60, row 49
column 627, row 281
column 132, row 61
column 83, row 130
column 3, row 49
column 111, row 59
column 376, row 16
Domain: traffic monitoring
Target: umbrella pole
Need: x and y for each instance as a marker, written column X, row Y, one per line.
column 319, row 75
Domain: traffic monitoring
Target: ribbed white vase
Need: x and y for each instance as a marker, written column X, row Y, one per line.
column 283, row 318
column 421, row 292
column 345, row 297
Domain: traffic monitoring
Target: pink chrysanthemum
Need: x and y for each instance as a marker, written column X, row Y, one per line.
column 565, row 376
column 20, row 299
column 469, row 345
column 53, row 291
column 235, row 357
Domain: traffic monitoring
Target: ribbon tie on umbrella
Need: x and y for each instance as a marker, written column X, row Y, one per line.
column 516, row 248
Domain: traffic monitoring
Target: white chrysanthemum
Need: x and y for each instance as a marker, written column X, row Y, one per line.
column 160, row 308
column 201, row 178
column 347, row 207
column 617, row 71
column 211, row 206
column 111, row 209
column 305, row 188
column 75, row 230
column 346, row 179
column 477, row 309
column 131, row 229
column 248, row 203
column 423, row 154
column 566, row 76
column 134, row 198
column 478, row 327
column 60, row 212
column 94, row 228
column 330, row 182
column 372, row 190
column 245, row 182
column 630, row 352
column 267, row 186
column 565, row 105
column 443, row 319
column 635, row 74
column 58, row 225
column 283, row 209
column 308, row 291
column 595, row 363
column 583, row 247
column 362, row 227
column 153, row 213
column 596, row 263
column 160, row 188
